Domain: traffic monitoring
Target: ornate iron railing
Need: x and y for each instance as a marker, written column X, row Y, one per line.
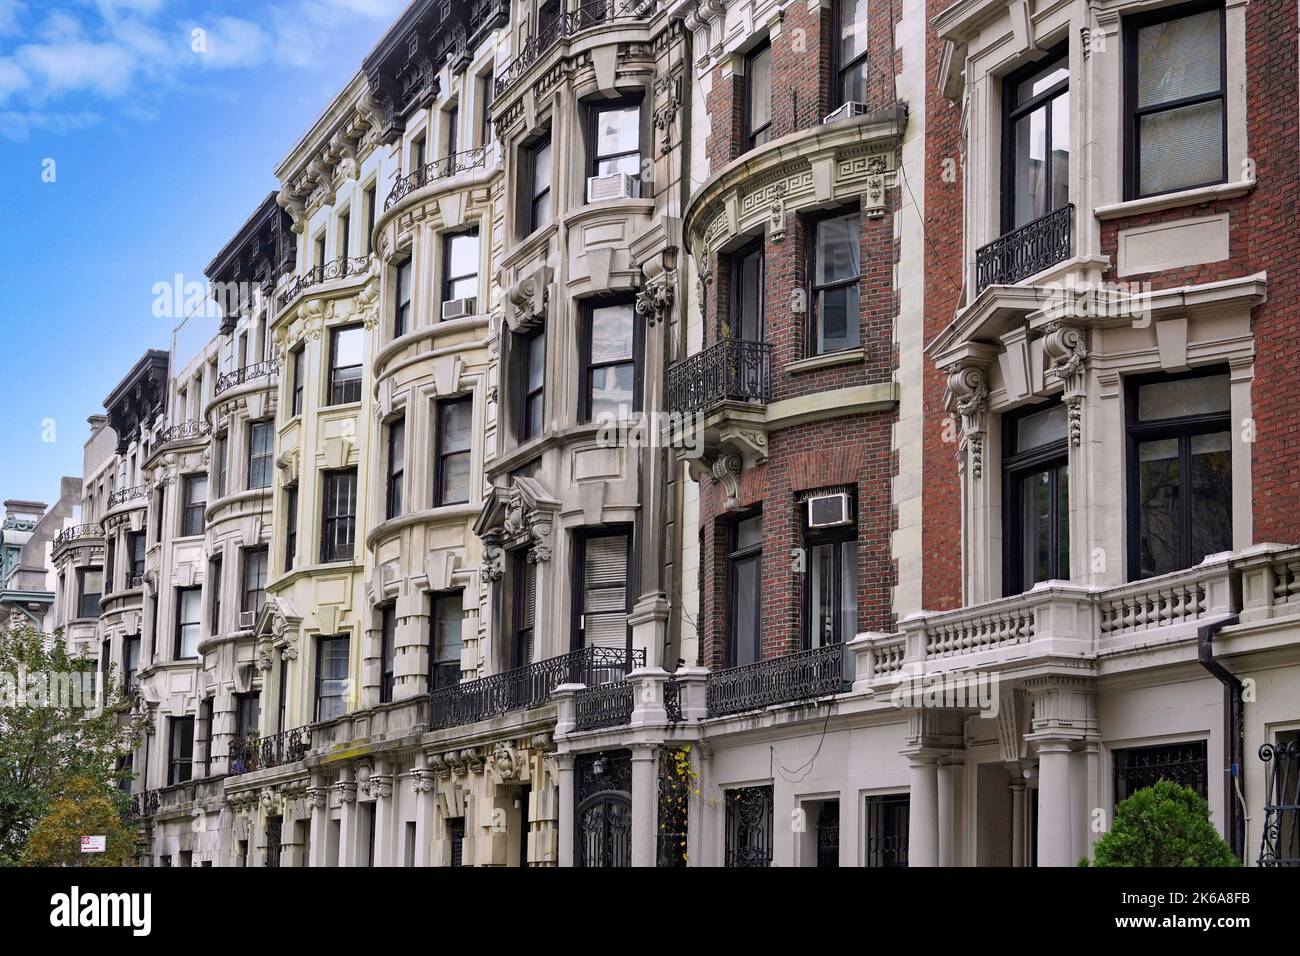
column 1280, row 842
column 609, row 705
column 144, row 804
column 1035, row 246
column 588, row 15
column 438, row 169
column 673, row 701
column 259, row 753
column 77, row 531
column 339, row 268
column 246, row 374
column 779, row 680
column 731, row 370
column 185, row 431
column 528, row 686
column 123, row 495
column 1138, row 767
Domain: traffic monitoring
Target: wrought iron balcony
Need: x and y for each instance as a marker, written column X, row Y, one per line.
column 528, row 686
column 246, row 374
column 801, row 676
column 186, row 431
column 591, row 14
column 144, row 804
column 68, row 535
column 673, row 701
column 443, row 168
column 609, row 705
column 1035, row 246
column 260, row 753
column 731, row 370
column 339, row 268
column 123, row 495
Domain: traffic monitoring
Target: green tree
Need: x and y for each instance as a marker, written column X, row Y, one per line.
column 49, row 735
column 85, row 808
column 1163, row 825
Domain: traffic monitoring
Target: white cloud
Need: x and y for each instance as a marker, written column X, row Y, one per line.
column 104, row 69
column 230, row 42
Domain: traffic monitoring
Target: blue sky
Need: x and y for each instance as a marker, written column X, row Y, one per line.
column 159, row 142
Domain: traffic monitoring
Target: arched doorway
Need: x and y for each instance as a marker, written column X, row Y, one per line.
column 603, row 812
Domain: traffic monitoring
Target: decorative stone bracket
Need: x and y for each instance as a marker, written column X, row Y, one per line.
column 1066, row 351
column 967, row 395
column 528, row 299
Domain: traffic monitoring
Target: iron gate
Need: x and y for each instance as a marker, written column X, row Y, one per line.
column 1280, row 842
column 603, row 830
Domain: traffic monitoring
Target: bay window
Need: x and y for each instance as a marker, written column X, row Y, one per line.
column 455, row 424
column 615, row 142
column 610, row 365
column 339, row 516
column 396, row 466
column 1036, row 141
column 747, row 277
column 346, row 348
column 189, row 616
column 460, row 266
column 445, row 647
column 331, row 677
column 849, row 50
column 1036, row 495
column 757, row 108
column 834, row 264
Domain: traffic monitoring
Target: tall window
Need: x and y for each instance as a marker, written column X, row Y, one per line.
column 131, row 663
column 835, row 261
column 345, row 235
column 387, row 651
column 254, row 590
column 160, row 509
column 748, row 827
column 417, row 153
column 538, row 178
column 346, row 348
column 850, row 52
column 886, row 830
column 396, row 466
column 524, row 575
column 135, row 544
column 90, row 588
column 605, row 599
column 290, row 527
column 1036, row 492
column 747, row 279
column 444, row 658
column 189, row 622
column 455, row 424
column 1180, row 471
column 758, row 96
column 318, row 253
column 219, row 460
column 261, row 452
column 1175, row 73
column 368, row 206
column 453, row 121
column 831, row 581
column 339, row 516
column 1036, row 143
column 215, row 569
column 486, row 93
column 532, row 368
column 402, row 303
column 460, row 266
column 180, row 747
column 745, row 591
column 616, row 141
column 296, row 378
column 248, row 712
column 331, row 677
column 195, row 503
column 611, row 386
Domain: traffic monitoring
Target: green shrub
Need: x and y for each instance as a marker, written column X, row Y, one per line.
column 1163, row 825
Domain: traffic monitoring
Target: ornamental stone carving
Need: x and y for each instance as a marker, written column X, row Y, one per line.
column 318, row 797
column 421, row 781
column 968, row 394
column 380, row 785
column 655, row 298
column 347, row 791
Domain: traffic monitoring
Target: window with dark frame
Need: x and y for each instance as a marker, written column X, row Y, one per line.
column 532, row 374
column 834, row 267
column 452, row 462
column 744, row 591
column 447, row 639
column 368, row 204
column 205, row 718
column 849, row 52
column 347, row 346
column 417, row 153
column 1175, row 68
column 1036, row 496
column 604, row 598
column 135, row 547
column 396, row 466
column 189, row 623
column 757, row 107
column 131, row 663
column 180, row 747
column 195, row 489
column 886, row 830
column 261, row 454
column 339, row 516
column 747, row 278
column 486, row 93
column 254, row 583
column 1180, row 470
column 830, row 581
column 331, row 677
column 297, row 379
column 460, row 265
column 538, row 179
column 290, row 527
column 456, row 838
column 160, row 503
column 615, row 140
column 402, row 300
column 387, row 651
column 453, row 122
column 248, row 712
column 90, row 588
column 749, row 834
column 611, row 362
column 1138, row 767
column 524, row 578
column 219, row 461
column 215, row 569
column 345, row 235
column 1036, row 140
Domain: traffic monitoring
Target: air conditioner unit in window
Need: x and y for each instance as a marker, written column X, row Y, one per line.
column 458, row 308
column 247, row 620
column 848, row 110
column 613, row 186
column 828, row 511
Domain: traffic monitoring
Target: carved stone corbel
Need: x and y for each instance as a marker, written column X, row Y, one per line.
column 726, row 471
column 655, row 298
column 347, row 791
column 1066, row 351
column 968, row 394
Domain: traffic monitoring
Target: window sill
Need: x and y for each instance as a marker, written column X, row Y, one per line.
column 1188, row 197
column 827, row 360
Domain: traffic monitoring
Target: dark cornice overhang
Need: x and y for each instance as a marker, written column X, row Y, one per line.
column 262, row 250
column 138, row 398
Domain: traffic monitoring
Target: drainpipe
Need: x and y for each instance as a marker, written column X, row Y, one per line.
column 1233, row 729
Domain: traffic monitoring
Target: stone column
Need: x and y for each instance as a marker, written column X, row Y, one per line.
column 318, row 799
column 1055, row 843
column 380, row 787
column 347, row 791
column 645, row 816
column 923, row 816
column 564, row 771
column 949, row 803
column 422, row 783
column 1017, row 817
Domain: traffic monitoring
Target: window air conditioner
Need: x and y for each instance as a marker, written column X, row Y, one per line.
column 847, row 111
column 458, row 308
column 613, row 186
column 247, row 620
column 828, row 511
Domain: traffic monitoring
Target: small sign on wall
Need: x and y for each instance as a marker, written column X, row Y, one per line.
column 94, row 844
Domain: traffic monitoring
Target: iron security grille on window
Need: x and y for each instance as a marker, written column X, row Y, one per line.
column 246, row 374
column 731, row 370
column 1035, row 246
column 438, row 169
column 811, row 673
column 749, row 827
column 1140, row 767
column 185, row 431
column 828, row 835
column 673, row 701
column 259, row 753
column 529, row 685
column 339, row 268
column 609, row 705
column 274, row 826
column 886, row 830
column 127, row 494
column 588, row 15
column 1280, row 841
